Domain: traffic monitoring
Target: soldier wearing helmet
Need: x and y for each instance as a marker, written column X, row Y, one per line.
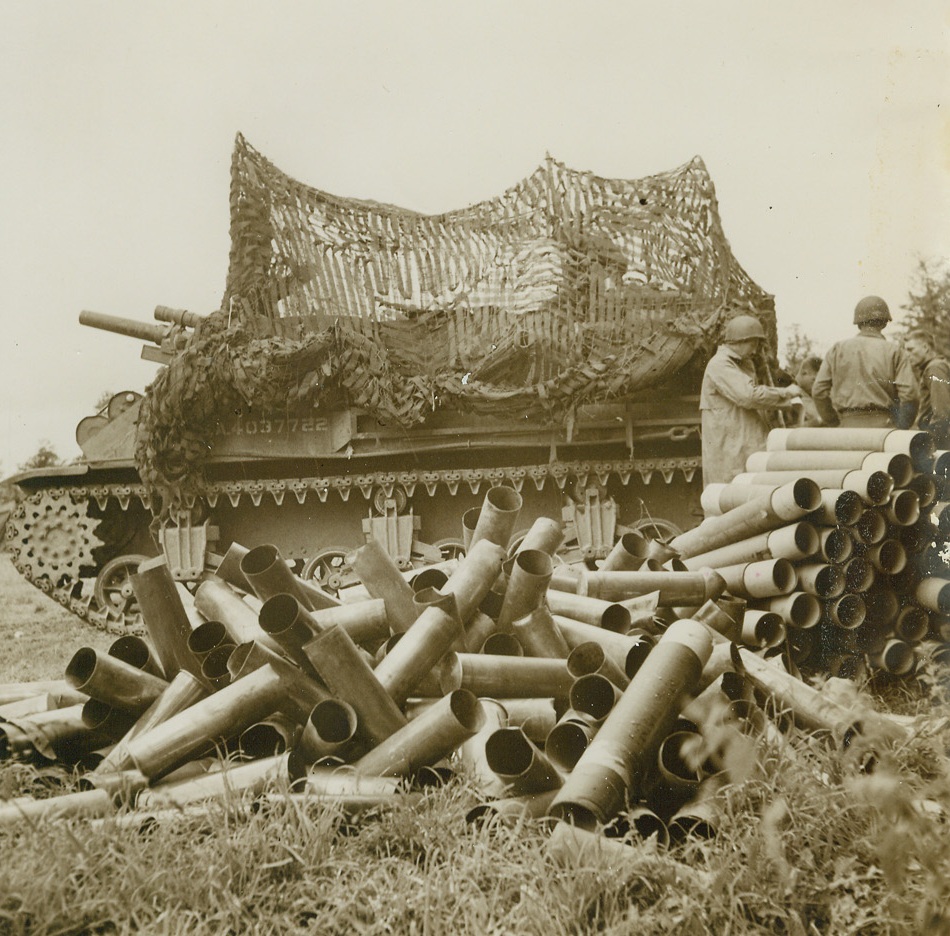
column 867, row 380
column 736, row 410
column 933, row 373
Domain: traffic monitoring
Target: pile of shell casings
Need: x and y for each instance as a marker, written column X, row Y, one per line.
column 598, row 697
column 843, row 532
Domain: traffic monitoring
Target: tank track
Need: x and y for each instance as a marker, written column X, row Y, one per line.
column 50, row 535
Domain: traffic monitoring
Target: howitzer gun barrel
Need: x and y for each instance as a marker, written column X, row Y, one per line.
column 177, row 316
column 145, row 331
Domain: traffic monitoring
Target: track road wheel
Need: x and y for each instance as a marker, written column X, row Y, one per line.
column 450, row 548
column 113, row 588
column 658, row 529
column 328, row 568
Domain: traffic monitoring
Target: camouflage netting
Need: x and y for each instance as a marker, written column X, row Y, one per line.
column 566, row 289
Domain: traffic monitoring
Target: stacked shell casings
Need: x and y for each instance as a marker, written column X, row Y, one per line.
column 353, row 696
column 558, row 689
column 843, row 532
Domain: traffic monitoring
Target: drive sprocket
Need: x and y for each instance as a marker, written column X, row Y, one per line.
column 52, row 535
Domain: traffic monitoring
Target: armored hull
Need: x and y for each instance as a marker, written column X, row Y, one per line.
column 317, row 486
column 372, row 371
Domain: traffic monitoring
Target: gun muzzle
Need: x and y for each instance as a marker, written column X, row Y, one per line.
column 145, row 331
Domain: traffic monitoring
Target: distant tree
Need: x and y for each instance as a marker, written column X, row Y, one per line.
column 928, row 301
column 44, row 457
column 103, row 399
column 798, row 346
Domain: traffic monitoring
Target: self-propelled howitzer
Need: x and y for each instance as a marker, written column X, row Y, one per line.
column 372, row 372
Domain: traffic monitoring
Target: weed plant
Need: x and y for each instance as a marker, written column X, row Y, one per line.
column 808, row 841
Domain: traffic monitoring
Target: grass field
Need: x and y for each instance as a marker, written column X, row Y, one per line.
column 807, row 844
column 38, row 635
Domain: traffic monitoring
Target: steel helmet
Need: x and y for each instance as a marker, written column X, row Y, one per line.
column 742, row 328
column 871, row 309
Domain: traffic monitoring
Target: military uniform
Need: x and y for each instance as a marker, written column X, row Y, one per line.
column 735, row 414
column 864, row 381
column 934, row 376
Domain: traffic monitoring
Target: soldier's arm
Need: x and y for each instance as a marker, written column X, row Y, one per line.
column 939, row 376
column 821, row 395
column 908, row 392
column 739, row 388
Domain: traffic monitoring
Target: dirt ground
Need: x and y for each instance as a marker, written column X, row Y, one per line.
column 38, row 637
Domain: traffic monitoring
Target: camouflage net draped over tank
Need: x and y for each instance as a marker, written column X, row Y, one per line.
column 566, row 289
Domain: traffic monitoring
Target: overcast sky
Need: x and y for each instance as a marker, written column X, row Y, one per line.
column 825, row 127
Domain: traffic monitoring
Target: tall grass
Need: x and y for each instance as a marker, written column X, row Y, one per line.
column 808, row 842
